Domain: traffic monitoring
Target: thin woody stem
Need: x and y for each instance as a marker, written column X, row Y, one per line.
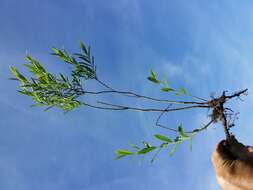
column 133, row 94
column 100, row 107
column 223, row 115
column 175, row 130
column 198, row 98
column 225, row 126
column 202, row 128
column 217, row 104
column 237, row 94
column 144, row 97
column 103, row 84
column 162, row 126
column 121, row 107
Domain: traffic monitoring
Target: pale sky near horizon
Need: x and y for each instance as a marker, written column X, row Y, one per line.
column 205, row 45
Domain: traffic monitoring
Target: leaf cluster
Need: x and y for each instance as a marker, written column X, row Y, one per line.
column 84, row 64
column 165, row 144
column 51, row 90
column 165, row 84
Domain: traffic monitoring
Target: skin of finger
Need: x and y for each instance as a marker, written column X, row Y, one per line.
column 222, row 160
column 241, row 177
column 250, row 149
column 241, row 152
column 225, row 185
column 231, row 173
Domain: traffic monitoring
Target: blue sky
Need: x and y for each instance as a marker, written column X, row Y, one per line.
column 206, row 45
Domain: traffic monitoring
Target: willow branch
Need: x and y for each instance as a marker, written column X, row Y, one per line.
column 133, row 94
column 121, row 107
column 144, row 97
column 237, row 94
column 175, row 130
column 104, row 84
column 202, row 128
column 162, row 126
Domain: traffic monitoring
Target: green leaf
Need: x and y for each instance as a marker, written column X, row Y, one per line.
column 181, row 131
column 36, row 67
column 134, row 146
column 153, row 77
column 31, row 68
column 18, row 75
column 163, row 138
column 167, row 89
column 154, row 80
column 146, row 150
column 122, row 153
column 153, row 74
column 29, row 58
column 25, row 92
column 156, row 154
column 190, row 140
column 37, row 105
column 57, row 52
column 173, row 149
column 63, row 78
column 83, row 48
column 165, row 81
column 183, row 91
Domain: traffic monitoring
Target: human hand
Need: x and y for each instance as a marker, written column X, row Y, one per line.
column 233, row 164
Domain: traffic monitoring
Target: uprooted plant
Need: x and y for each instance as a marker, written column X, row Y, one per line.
column 65, row 92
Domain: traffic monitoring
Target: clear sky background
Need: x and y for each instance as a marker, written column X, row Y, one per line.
column 205, row 45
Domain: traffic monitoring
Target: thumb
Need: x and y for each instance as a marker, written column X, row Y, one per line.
column 222, row 158
column 238, row 150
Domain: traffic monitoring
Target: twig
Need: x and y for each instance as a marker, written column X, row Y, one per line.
column 99, row 107
column 237, row 94
column 202, row 128
column 121, row 107
column 103, row 84
column 144, row 97
column 162, row 126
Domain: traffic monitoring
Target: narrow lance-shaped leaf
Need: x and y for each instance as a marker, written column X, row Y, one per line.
column 190, row 140
column 57, row 52
column 122, row 153
column 173, row 149
column 17, row 74
column 153, row 77
column 134, row 146
column 154, row 80
column 181, row 131
column 153, row 74
column 165, row 81
column 167, row 89
column 163, row 138
column 146, row 150
column 83, row 48
column 183, row 90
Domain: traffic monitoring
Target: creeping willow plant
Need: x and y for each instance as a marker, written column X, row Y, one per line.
column 51, row 90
